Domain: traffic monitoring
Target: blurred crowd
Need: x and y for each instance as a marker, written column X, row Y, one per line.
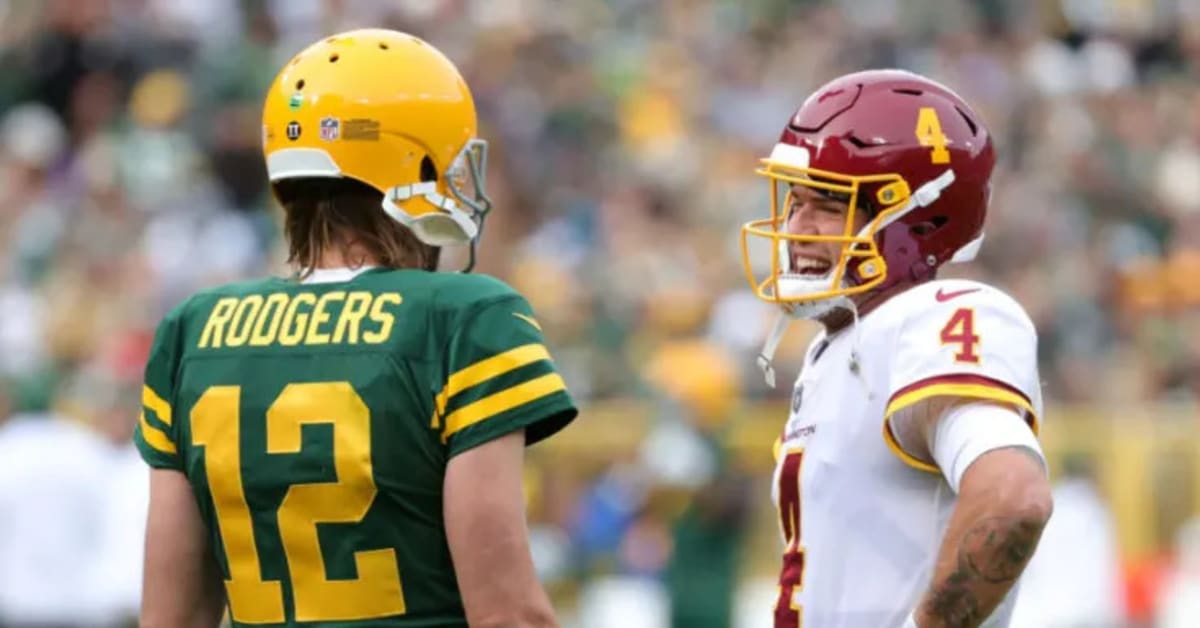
column 624, row 134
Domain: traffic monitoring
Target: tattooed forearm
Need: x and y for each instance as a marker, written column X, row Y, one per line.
column 953, row 601
column 989, row 558
column 1003, row 504
column 998, row 548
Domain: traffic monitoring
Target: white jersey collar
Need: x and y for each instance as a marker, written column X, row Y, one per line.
column 334, row 275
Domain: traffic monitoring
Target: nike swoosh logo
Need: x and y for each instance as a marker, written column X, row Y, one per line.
column 946, row 296
column 528, row 319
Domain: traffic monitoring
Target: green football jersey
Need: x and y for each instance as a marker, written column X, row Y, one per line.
column 315, row 421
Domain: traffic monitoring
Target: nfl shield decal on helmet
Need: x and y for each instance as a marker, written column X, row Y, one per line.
column 330, row 129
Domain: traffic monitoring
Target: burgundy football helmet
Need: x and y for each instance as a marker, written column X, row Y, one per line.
column 902, row 148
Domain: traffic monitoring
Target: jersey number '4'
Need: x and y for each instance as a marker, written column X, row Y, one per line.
column 788, row 614
column 376, row 592
column 960, row 330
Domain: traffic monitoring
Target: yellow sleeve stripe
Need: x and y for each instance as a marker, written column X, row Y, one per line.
column 488, row 368
column 155, row 437
column 528, row 319
column 502, row 401
column 151, row 400
column 993, row 392
column 907, row 458
column 937, row 388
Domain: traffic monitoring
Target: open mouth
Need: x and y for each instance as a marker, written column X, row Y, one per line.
column 811, row 266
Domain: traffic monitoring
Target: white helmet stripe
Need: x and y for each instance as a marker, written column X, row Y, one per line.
column 924, row 196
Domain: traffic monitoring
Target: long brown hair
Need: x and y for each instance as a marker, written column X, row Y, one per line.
column 322, row 213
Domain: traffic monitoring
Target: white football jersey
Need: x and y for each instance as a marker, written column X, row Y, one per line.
column 862, row 520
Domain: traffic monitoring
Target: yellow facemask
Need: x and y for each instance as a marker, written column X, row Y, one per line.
column 860, row 266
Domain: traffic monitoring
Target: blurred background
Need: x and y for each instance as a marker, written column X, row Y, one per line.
column 624, row 134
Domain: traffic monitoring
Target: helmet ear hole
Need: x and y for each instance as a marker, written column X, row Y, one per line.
column 428, row 170
column 928, row 227
column 968, row 120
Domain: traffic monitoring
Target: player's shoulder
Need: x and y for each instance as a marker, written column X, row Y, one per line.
column 464, row 292
column 449, row 300
column 934, row 299
column 445, row 289
column 201, row 301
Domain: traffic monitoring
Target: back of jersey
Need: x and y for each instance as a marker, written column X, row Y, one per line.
column 315, row 422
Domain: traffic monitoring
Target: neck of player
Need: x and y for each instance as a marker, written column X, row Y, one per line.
column 348, row 254
column 840, row 318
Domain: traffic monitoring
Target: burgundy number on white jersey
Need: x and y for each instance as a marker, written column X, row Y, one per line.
column 791, row 576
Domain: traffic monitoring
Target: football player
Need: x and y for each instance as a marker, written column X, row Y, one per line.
column 344, row 447
column 910, row 484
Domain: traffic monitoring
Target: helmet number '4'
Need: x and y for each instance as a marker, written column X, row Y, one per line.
column 929, row 133
column 960, row 330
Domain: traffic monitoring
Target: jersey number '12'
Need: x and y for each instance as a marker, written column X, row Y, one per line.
column 376, row 592
column 788, row 614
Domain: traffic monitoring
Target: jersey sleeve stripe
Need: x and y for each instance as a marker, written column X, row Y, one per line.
column 962, row 385
column 161, row 408
column 957, row 385
column 502, row 401
column 904, row 456
column 155, row 437
column 488, row 368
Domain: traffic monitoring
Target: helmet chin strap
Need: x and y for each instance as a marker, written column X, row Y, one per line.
column 449, row 226
column 769, row 347
column 792, row 286
column 855, row 363
column 779, row 327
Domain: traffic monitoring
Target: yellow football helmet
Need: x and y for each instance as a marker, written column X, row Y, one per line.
column 389, row 110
